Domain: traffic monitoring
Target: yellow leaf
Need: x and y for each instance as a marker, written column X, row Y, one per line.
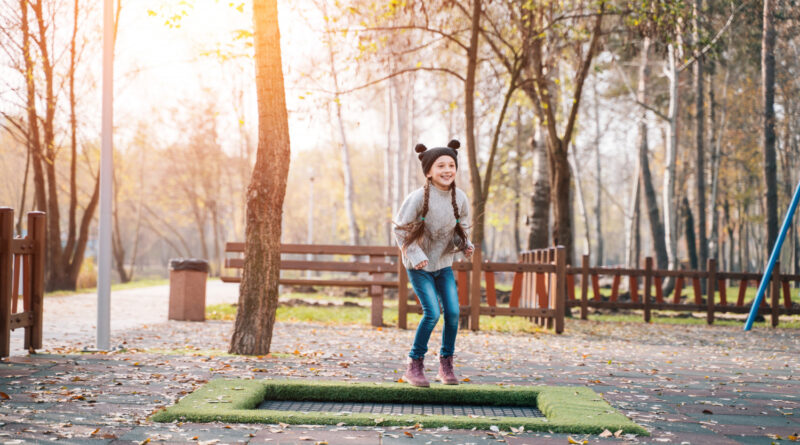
column 573, row 441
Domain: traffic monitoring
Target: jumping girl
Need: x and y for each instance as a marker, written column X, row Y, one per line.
column 431, row 226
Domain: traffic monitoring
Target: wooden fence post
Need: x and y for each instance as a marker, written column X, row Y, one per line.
column 6, row 237
column 584, row 287
column 561, row 287
column 648, row 278
column 402, row 293
column 775, row 293
column 710, row 291
column 376, row 294
column 475, row 297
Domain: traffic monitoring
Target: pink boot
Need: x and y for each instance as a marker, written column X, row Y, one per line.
column 415, row 373
column 446, row 374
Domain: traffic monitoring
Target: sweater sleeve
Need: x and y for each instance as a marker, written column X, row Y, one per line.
column 464, row 218
column 409, row 212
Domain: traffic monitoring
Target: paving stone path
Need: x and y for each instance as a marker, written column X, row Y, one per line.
column 686, row 384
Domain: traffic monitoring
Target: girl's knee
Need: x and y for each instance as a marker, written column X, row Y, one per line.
column 451, row 316
column 430, row 316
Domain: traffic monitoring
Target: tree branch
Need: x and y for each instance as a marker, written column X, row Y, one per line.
column 705, row 49
column 450, row 37
column 397, row 73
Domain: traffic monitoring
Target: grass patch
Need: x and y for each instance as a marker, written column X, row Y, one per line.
column 567, row 409
column 344, row 315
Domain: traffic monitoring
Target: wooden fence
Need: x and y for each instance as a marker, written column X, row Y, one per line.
column 650, row 297
column 539, row 289
column 21, row 257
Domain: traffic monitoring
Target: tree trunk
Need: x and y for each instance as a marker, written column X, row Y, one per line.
column 731, row 245
column 117, row 246
column 73, row 127
column 717, row 131
column 387, row 172
column 768, row 122
column 700, row 135
column 539, row 219
column 688, row 224
column 632, row 220
column 581, row 204
column 347, row 171
column 598, row 185
column 560, row 183
column 668, row 189
column 478, row 203
column 258, row 292
column 517, row 182
column 656, row 229
column 558, row 145
column 403, row 145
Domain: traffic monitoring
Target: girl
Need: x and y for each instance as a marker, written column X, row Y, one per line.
column 431, row 227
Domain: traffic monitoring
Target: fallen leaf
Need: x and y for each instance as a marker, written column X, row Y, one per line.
column 573, row 441
column 408, row 434
column 707, row 411
column 4, row 396
column 606, row 433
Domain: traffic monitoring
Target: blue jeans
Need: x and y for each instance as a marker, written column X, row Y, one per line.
column 432, row 288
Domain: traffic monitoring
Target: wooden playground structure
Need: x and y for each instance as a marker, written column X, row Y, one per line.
column 21, row 259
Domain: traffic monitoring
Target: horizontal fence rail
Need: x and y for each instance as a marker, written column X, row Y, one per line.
column 21, row 266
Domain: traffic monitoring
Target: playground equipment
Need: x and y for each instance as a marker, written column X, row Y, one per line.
column 21, row 257
column 776, row 250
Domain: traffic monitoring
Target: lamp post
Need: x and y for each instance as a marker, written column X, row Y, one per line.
column 106, row 165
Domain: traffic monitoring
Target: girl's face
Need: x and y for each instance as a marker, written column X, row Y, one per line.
column 443, row 172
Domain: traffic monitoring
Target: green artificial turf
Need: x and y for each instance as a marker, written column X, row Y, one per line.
column 567, row 409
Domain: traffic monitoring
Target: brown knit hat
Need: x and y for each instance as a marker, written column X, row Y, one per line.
column 428, row 157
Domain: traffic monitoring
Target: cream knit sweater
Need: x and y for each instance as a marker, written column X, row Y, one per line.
column 437, row 243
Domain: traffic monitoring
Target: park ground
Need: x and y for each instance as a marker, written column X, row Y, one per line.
column 685, row 383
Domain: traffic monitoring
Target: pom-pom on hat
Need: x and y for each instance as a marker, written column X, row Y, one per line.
column 429, row 156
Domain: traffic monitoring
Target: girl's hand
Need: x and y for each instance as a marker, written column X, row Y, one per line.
column 421, row 265
column 468, row 251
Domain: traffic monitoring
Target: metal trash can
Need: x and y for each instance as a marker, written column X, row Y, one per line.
column 187, row 289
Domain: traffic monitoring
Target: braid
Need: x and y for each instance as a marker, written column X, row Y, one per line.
column 424, row 212
column 460, row 239
column 415, row 230
column 453, row 199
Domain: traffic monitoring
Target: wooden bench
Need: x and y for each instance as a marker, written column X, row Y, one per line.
column 377, row 266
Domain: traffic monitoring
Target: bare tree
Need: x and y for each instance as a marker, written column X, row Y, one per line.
column 768, row 122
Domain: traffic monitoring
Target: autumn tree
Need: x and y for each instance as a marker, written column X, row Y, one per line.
column 258, row 292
